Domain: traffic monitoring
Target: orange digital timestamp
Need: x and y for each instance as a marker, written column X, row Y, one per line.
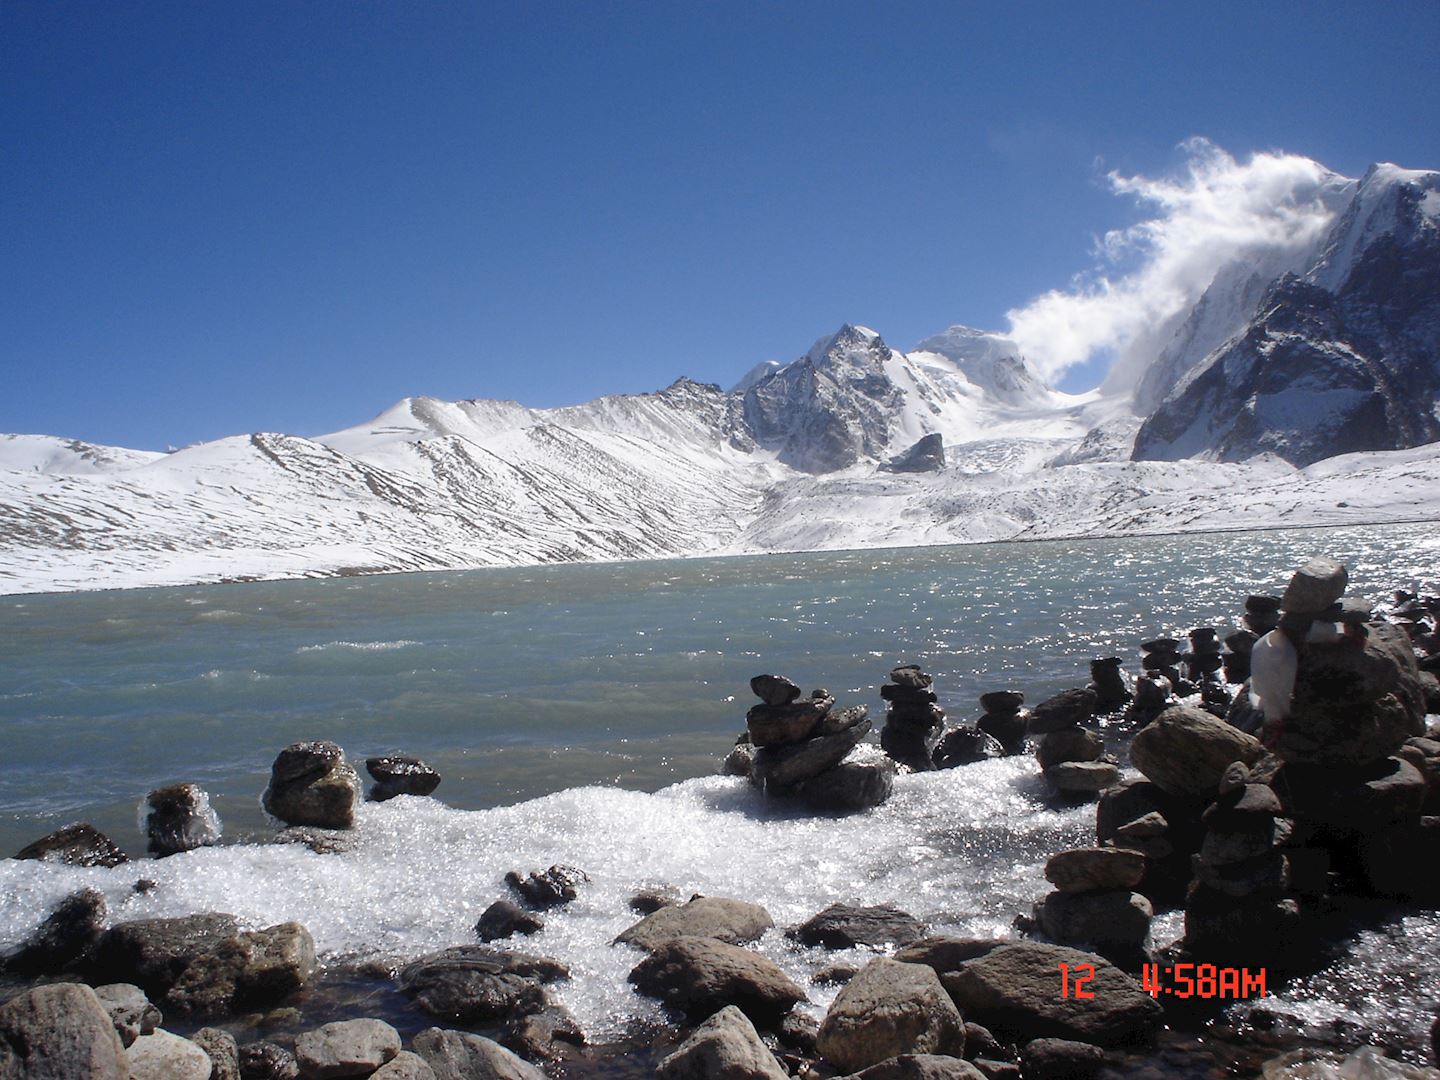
column 1180, row 980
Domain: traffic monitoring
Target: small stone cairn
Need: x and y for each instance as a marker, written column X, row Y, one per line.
column 913, row 722
column 1108, row 682
column 1094, row 902
column 802, row 748
column 311, row 783
column 178, row 818
column 1070, row 755
column 1005, row 719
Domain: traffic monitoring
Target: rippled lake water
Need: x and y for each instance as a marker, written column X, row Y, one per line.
column 577, row 714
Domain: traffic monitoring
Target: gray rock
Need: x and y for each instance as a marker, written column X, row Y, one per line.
column 129, row 1009
column 838, row 720
column 536, row 1035
column 1014, row 989
column 1152, row 693
column 800, row 1030
column 178, row 818
column 76, row 845
column 889, row 1008
column 1061, row 1059
column 1083, row 777
column 455, row 1055
column 698, row 976
column 1367, row 799
column 996, row 1070
column 944, row 953
column 1008, row 729
column 1069, row 708
column 267, row 1061
column 1186, row 751
column 163, row 1056
column 504, row 919
column 1266, row 875
column 774, row 689
column 474, row 983
column 732, row 921
column 60, row 1032
column 1115, row 918
column 153, row 953
column 66, row 935
column 965, row 746
column 1095, row 869
column 1315, row 586
column 247, row 971
column 400, row 774
column 844, row 926
column 852, row 786
column 920, row 1067
column 1352, row 706
column 739, row 761
column 556, row 886
column 224, row 1054
column 405, row 1066
column 911, row 676
column 724, row 1047
column 1002, row 702
column 1069, row 744
column 775, row 725
column 311, row 783
column 649, row 901
column 1226, row 847
column 781, row 768
column 346, row 1048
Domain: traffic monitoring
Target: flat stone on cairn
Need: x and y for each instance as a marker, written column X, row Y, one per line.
column 400, row 774
column 179, row 818
column 774, row 690
column 1070, row 755
column 1005, row 719
column 776, row 725
column 913, row 722
column 311, row 783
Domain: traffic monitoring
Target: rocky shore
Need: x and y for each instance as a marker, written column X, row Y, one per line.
column 1285, row 775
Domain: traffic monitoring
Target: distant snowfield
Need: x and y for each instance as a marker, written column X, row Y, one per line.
column 519, row 491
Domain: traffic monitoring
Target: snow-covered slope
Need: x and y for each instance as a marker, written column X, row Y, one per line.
column 1343, row 357
column 1290, row 356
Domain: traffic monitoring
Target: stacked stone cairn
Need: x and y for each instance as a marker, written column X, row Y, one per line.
column 803, row 748
column 178, row 818
column 1108, row 682
column 913, row 722
column 1005, row 719
column 312, row 784
column 1094, row 902
column 1203, row 664
column 1071, row 755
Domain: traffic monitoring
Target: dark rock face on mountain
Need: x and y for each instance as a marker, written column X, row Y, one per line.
column 1345, row 359
column 831, row 408
column 926, row 455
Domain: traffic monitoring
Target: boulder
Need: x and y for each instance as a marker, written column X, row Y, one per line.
column 346, row 1048
column 920, row 1067
column 1060, row 1059
column 221, row 1048
column 504, row 919
column 163, row 1056
column 129, row 1010
column 1314, row 587
column 1069, row 708
column 1014, row 989
column 77, row 845
column 732, row 921
column 456, row 1055
column 965, row 746
column 553, row 888
column 473, row 983
column 1095, row 869
column 774, row 689
column 404, row 1066
column 781, row 768
column 698, row 976
column 246, row 971
column 1363, row 799
column 889, row 1008
column 1069, row 744
column 60, row 1032
column 154, row 953
column 1353, row 705
column 1186, row 750
column 844, row 926
column 267, row 1061
column 1118, row 918
column 1083, row 777
column 724, row 1047
column 775, row 725
column 857, row 784
column 67, row 934
column 178, row 818
column 311, row 783
column 400, row 774
column 944, row 953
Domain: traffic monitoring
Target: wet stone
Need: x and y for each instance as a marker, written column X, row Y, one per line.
column 179, row 818
column 552, row 888
column 844, row 926
column 910, row 675
column 77, row 845
column 1069, row 708
column 1002, row 702
column 400, row 774
column 504, row 919
column 774, row 689
column 1315, row 586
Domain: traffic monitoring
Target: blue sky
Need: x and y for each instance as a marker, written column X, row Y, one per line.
column 220, row 218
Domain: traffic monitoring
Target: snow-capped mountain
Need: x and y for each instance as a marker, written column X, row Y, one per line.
column 1298, row 354
column 1339, row 355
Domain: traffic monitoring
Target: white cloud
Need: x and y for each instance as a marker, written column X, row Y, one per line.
column 1215, row 211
